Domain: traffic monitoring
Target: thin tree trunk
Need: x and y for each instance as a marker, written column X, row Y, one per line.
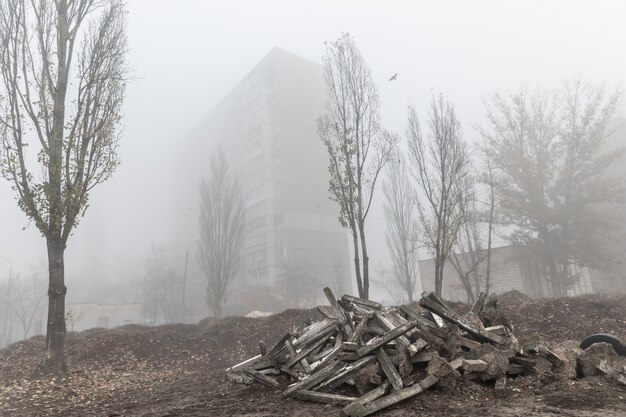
column 489, row 234
column 554, row 277
column 217, row 307
column 55, row 336
column 357, row 262
column 438, row 283
column 365, row 260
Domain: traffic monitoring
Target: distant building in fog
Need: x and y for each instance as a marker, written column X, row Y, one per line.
column 512, row 268
column 83, row 316
column 294, row 244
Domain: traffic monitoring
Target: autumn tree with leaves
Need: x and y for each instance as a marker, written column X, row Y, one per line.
column 358, row 147
column 62, row 82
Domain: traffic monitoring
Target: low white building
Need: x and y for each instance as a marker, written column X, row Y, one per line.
column 82, row 316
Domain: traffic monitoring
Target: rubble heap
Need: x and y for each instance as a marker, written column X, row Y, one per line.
column 394, row 353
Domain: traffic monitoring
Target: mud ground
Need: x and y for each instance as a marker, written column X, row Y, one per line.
column 177, row 370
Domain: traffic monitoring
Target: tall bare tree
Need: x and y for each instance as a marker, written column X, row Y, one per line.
column 468, row 253
column 554, row 176
column 221, row 230
column 488, row 178
column 357, row 145
column 159, row 286
column 440, row 165
column 63, row 70
column 402, row 227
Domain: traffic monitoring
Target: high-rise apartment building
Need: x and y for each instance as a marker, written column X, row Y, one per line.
column 294, row 244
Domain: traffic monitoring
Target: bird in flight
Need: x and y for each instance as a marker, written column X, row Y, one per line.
column 393, row 77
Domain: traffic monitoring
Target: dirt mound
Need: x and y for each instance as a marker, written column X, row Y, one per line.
column 569, row 317
column 179, row 369
column 513, row 298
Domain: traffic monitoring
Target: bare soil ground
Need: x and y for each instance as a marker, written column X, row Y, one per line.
column 178, row 370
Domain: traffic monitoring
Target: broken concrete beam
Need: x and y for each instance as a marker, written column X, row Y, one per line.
column 497, row 360
column 312, row 379
column 424, row 323
column 376, row 379
column 611, row 372
column 321, row 355
column 377, row 342
column 346, row 373
column 390, row 371
column 263, row 379
column 358, row 331
column 439, row 367
column 289, row 371
column 304, row 352
column 469, row 343
column 477, row 308
column 550, row 355
column 361, row 410
column 314, row 332
column 290, row 349
column 342, row 318
column 397, row 319
column 237, row 378
column 373, row 329
column 433, row 341
column 424, row 356
column 588, row 360
column 416, row 346
column 449, row 315
column 338, row 340
column 362, row 302
column 363, row 379
column 350, row 346
column 387, row 323
column 526, row 363
column 456, row 363
column 326, row 359
column 322, row 397
column 327, row 311
column 515, row 369
column 365, row 399
column 348, row 356
column 500, row 330
column 245, row 364
column 278, row 346
column 474, row 365
column 500, row 387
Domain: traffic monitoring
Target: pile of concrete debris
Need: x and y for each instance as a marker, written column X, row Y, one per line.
column 391, row 354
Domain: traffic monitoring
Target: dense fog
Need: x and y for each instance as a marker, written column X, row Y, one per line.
column 187, row 56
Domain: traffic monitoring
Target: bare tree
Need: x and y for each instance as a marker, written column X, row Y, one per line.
column 159, row 287
column 63, row 69
column 402, row 227
column 488, row 178
column 29, row 297
column 468, row 253
column 221, row 230
column 554, row 180
column 357, row 146
column 440, row 164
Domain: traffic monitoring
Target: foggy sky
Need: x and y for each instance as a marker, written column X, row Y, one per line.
column 187, row 55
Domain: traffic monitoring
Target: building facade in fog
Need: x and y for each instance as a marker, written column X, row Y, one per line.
column 515, row 267
column 293, row 245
